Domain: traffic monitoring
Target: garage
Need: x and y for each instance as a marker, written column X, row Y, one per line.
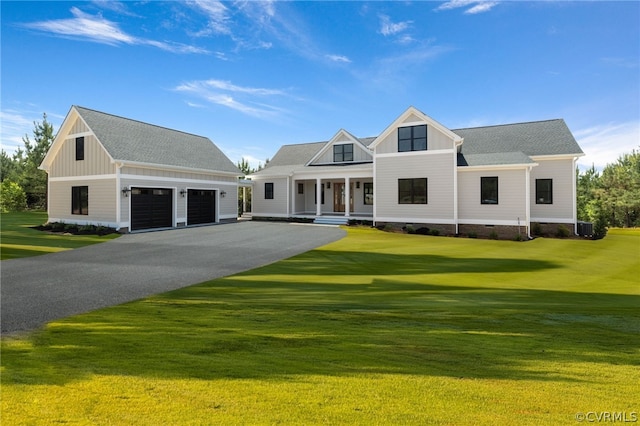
column 201, row 206
column 151, row 208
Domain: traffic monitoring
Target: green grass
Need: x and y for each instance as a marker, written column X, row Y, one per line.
column 19, row 240
column 377, row 328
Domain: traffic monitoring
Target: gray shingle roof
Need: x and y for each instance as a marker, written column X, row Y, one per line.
column 134, row 141
column 551, row 137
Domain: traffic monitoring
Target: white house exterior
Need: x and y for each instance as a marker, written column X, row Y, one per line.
column 479, row 180
column 117, row 172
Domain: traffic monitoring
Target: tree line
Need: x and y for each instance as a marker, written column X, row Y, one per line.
column 610, row 198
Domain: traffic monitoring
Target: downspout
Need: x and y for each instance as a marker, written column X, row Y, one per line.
column 118, row 195
column 455, row 184
column 528, row 201
column 289, row 189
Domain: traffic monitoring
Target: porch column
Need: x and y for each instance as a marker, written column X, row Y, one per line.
column 244, row 200
column 318, row 197
column 347, row 197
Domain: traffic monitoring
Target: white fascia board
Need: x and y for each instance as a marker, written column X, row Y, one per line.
column 496, row 167
column 177, row 180
column 425, row 120
column 175, row 168
column 556, row 157
column 81, row 178
column 417, row 153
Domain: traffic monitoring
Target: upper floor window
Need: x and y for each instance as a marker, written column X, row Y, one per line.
column 368, row 193
column 268, row 191
column 80, row 148
column 300, row 188
column 544, row 191
column 343, row 153
column 79, row 200
column 413, row 138
column 489, row 190
column 412, row 191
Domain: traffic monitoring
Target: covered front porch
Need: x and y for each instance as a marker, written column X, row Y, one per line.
column 340, row 198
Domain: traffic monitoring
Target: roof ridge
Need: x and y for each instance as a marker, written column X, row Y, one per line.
column 508, row 124
column 140, row 121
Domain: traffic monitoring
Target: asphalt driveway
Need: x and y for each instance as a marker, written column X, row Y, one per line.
column 40, row 289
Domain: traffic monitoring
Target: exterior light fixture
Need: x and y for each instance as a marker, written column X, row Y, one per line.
column 223, row 193
column 126, row 191
column 183, row 192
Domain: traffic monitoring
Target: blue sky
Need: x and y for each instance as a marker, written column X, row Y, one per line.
column 254, row 75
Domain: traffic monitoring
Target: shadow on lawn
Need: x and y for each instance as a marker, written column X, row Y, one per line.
column 229, row 328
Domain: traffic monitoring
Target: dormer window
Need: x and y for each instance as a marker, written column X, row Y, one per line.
column 343, row 153
column 413, row 138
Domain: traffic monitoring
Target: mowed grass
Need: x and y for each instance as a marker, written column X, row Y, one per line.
column 377, row 328
column 17, row 239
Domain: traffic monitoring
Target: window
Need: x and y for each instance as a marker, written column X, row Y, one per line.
column 544, row 191
column 79, row 200
column 301, row 188
column 412, row 138
column 412, row 191
column 343, row 153
column 268, row 191
column 315, row 193
column 368, row 193
column 80, row 148
column 489, row 190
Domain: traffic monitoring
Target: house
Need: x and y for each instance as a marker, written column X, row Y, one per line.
column 122, row 173
column 484, row 180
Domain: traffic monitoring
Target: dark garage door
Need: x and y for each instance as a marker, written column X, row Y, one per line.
column 201, row 207
column 151, row 208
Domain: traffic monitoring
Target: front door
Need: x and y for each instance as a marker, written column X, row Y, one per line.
column 339, row 197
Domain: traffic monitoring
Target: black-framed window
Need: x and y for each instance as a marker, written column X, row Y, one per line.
column 300, row 188
column 315, row 193
column 489, row 190
column 368, row 193
column 412, row 191
column 544, row 191
column 268, row 191
column 80, row 148
column 80, row 200
column 343, row 153
column 413, row 138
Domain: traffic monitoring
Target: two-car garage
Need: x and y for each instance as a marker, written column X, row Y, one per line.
column 152, row 208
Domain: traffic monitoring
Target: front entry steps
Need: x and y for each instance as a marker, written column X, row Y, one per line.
column 331, row 220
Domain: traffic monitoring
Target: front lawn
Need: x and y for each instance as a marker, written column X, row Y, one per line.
column 19, row 239
column 377, row 328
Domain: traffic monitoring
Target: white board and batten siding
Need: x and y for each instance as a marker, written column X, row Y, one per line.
column 359, row 154
column 436, row 140
column 563, row 176
column 96, row 160
column 436, row 166
column 511, row 206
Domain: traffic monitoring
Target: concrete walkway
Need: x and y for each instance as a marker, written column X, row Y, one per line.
column 40, row 289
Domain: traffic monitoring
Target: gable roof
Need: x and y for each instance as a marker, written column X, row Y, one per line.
column 339, row 138
column 549, row 137
column 132, row 141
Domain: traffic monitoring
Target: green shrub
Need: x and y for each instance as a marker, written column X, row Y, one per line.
column 435, row 232
column 12, row 197
column 473, row 235
column 410, row 229
column 423, row 231
column 536, row 229
column 57, row 226
column 493, row 235
column 562, row 232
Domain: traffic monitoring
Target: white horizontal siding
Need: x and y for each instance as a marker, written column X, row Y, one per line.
column 437, row 168
column 273, row 207
column 511, row 197
column 102, row 201
column 562, row 173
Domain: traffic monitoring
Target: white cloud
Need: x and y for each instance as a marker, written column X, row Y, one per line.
column 217, row 14
column 97, row 29
column 477, row 6
column 603, row 144
column 239, row 98
column 16, row 123
column 338, row 58
column 388, row 28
